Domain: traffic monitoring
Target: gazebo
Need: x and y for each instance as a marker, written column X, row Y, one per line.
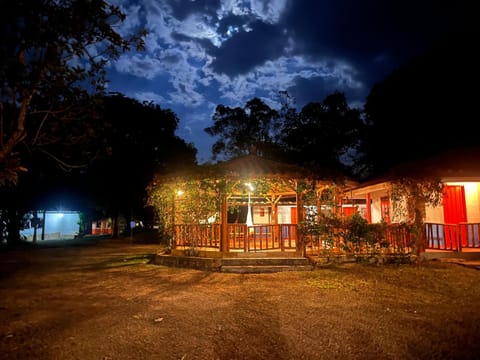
column 247, row 204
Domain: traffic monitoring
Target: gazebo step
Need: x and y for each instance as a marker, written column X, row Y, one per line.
column 265, row 261
column 236, row 264
column 252, row 269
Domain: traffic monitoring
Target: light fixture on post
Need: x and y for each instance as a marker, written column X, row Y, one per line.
column 249, row 210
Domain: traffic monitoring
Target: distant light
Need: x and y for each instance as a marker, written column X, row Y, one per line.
column 179, row 192
column 60, row 215
column 250, row 186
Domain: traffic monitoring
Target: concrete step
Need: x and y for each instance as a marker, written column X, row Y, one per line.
column 257, row 269
column 236, row 264
column 265, row 261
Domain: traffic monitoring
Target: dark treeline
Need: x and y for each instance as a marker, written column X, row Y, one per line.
column 61, row 134
column 135, row 141
column 427, row 106
column 322, row 136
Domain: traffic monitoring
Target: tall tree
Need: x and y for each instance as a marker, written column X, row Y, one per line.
column 52, row 62
column 427, row 106
column 141, row 140
column 239, row 130
column 322, row 135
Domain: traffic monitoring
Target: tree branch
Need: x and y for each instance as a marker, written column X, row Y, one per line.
column 65, row 166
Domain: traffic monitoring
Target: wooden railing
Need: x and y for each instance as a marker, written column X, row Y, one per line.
column 397, row 238
column 239, row 236
column 204, row 235
column 394, row 238
column 453, row 237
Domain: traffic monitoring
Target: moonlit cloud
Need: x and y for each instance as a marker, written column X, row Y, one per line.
column 149, row 96
column 281, row 74
column 201, row 53
column 145, row 67
column 268, row 11
column 199, row 26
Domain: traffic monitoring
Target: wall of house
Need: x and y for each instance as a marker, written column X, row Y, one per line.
column 284, row 214
column 261, row 214
column 102, row 227
column 472, row 201
column 375, row 206
column 434, row 214
column 58, row 225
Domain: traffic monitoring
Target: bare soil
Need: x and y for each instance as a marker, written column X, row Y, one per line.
column 106, row 301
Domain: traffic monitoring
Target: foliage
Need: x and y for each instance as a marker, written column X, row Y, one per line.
column 240, row 130
column 53, row 57
column 322, row 134
column 184, row 201
column 136, row 150
column 407, row 193
column 357, row 234
column 402, row 112
column 409, row 198
column 322, row 221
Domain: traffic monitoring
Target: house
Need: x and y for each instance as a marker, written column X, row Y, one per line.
column 454, row 223
column 51, row 225
column 102, row 226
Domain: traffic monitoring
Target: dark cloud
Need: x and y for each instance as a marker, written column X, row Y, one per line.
column 369, row 26
column 183, row 8
column 375, row 36
column 310, row 90
column 246, row 50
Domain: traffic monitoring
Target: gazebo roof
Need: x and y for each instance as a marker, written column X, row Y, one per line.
column 252, row 165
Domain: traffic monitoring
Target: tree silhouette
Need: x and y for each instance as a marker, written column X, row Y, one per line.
column 52, row 63
column 322, row 135
column 240, row 130
column 140, row 140
column 425, row 107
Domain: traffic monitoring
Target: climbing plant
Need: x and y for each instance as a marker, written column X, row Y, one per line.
column 409, row 197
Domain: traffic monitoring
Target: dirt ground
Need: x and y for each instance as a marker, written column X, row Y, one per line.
column 106, row 301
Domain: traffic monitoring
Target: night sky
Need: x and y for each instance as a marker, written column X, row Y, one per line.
column 201, row 53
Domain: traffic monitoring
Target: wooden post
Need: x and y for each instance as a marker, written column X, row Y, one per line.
column 300, row 245
column 369, row 209
column 277, row 236
column 224, row 225
column 44, row 214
